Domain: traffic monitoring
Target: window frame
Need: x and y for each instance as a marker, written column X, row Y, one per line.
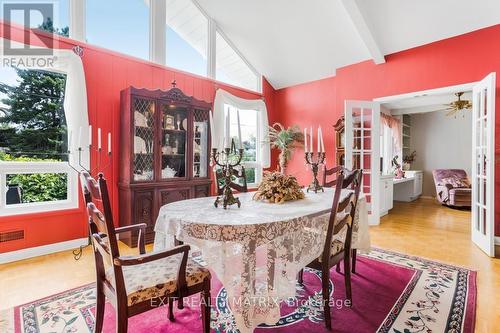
column 16, row 168
column 257, row 164
column 258, row 76
column 157, row 33
column 76, row 113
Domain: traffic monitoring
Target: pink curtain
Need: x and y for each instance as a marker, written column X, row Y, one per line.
column 395, row 125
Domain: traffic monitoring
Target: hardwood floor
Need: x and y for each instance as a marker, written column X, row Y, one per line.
column 427, row 229
column 423, row 228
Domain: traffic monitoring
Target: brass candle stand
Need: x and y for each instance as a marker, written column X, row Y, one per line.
column 227, row 160
column 315, row 186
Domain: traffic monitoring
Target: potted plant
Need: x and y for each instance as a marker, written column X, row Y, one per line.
column 286, row 140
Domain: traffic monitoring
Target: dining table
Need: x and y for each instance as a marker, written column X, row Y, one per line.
column 257, row 250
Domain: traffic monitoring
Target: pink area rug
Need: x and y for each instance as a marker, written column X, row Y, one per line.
column 391, row 293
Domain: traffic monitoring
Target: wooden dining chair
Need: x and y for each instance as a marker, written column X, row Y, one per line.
column 97, row 192
column 135, row 284
column 329, row 172
column 240, row 183
column 334, row 251
column 347, row 182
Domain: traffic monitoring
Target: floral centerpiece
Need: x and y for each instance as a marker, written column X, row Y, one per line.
column 278, row 188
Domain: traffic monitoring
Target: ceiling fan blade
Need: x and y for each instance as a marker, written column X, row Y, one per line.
column 450, row 113
column 447, row 109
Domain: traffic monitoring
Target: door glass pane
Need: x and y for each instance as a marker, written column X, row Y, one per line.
column 175, row 126
column 200, row 144
column 143, row 139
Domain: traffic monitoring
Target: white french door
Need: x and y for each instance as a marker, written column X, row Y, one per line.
column 483, row 164
column 362, row 150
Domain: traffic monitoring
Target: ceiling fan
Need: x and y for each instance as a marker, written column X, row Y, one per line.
column 457, row 105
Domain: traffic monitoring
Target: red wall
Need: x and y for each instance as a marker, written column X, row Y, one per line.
column 106, row 74
column 463, row 59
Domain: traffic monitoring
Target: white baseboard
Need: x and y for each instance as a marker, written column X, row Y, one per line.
column 41, row 250
column 497, row 240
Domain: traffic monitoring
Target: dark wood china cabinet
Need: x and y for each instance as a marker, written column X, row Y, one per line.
column 164, row 155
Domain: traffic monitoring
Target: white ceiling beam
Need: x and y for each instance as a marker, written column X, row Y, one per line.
column 359, row 22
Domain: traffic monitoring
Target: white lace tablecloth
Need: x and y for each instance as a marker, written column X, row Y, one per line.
column 258, row 249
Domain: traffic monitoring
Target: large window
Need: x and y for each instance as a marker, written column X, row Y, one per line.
column 231, row 68
column 33, row 142
column 186, row 37
column 119, row 25
column 249, row 122
column 56, row 22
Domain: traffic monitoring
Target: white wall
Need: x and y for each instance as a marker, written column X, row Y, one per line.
column 441, row 142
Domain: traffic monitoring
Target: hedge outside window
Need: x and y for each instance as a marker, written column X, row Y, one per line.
column 32, row 131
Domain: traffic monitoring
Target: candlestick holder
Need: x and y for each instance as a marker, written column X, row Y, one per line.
column 315, row 186
column 79, row 166
column 227, row 160
column 77, row 253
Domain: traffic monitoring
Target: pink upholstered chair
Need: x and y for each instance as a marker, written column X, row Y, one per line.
column 452, row 187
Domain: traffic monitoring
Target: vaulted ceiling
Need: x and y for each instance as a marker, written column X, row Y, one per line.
column 296, row 41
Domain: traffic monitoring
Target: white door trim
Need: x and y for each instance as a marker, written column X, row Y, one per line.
column 436, row 91
column 374, row 152
column 483, row 156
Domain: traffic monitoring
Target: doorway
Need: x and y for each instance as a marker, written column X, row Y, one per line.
column 482, row 168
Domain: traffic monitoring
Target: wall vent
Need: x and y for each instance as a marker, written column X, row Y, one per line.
column 8, row 236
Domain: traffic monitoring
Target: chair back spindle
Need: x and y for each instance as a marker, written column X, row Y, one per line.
column 343, row 210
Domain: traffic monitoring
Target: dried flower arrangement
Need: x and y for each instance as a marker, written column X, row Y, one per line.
column 410, row 158
column 278, row 188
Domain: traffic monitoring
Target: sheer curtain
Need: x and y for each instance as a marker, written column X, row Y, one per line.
column 223, row 97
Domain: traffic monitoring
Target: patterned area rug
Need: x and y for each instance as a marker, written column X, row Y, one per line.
column 391, row 293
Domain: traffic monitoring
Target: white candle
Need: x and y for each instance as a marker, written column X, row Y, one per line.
column 80, row 137
column 99, row 145
column 311, row 140
column 305, row 139
column 211, row 120
column 109, row 142
column 226, row 135
column 321, row 138
column 70, row 140
column 90, row 135
column 239, row 129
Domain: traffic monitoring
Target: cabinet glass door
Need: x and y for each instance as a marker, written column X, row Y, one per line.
column 174, row 135
column 144, row 124
column 200, row 143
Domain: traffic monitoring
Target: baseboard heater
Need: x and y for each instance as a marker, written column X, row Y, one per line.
column 9, row 236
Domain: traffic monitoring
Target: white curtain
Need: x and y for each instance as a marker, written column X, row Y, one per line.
column 75, row 94
column 223, row 97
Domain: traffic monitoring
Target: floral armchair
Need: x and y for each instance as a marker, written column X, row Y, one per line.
column 453, row 188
